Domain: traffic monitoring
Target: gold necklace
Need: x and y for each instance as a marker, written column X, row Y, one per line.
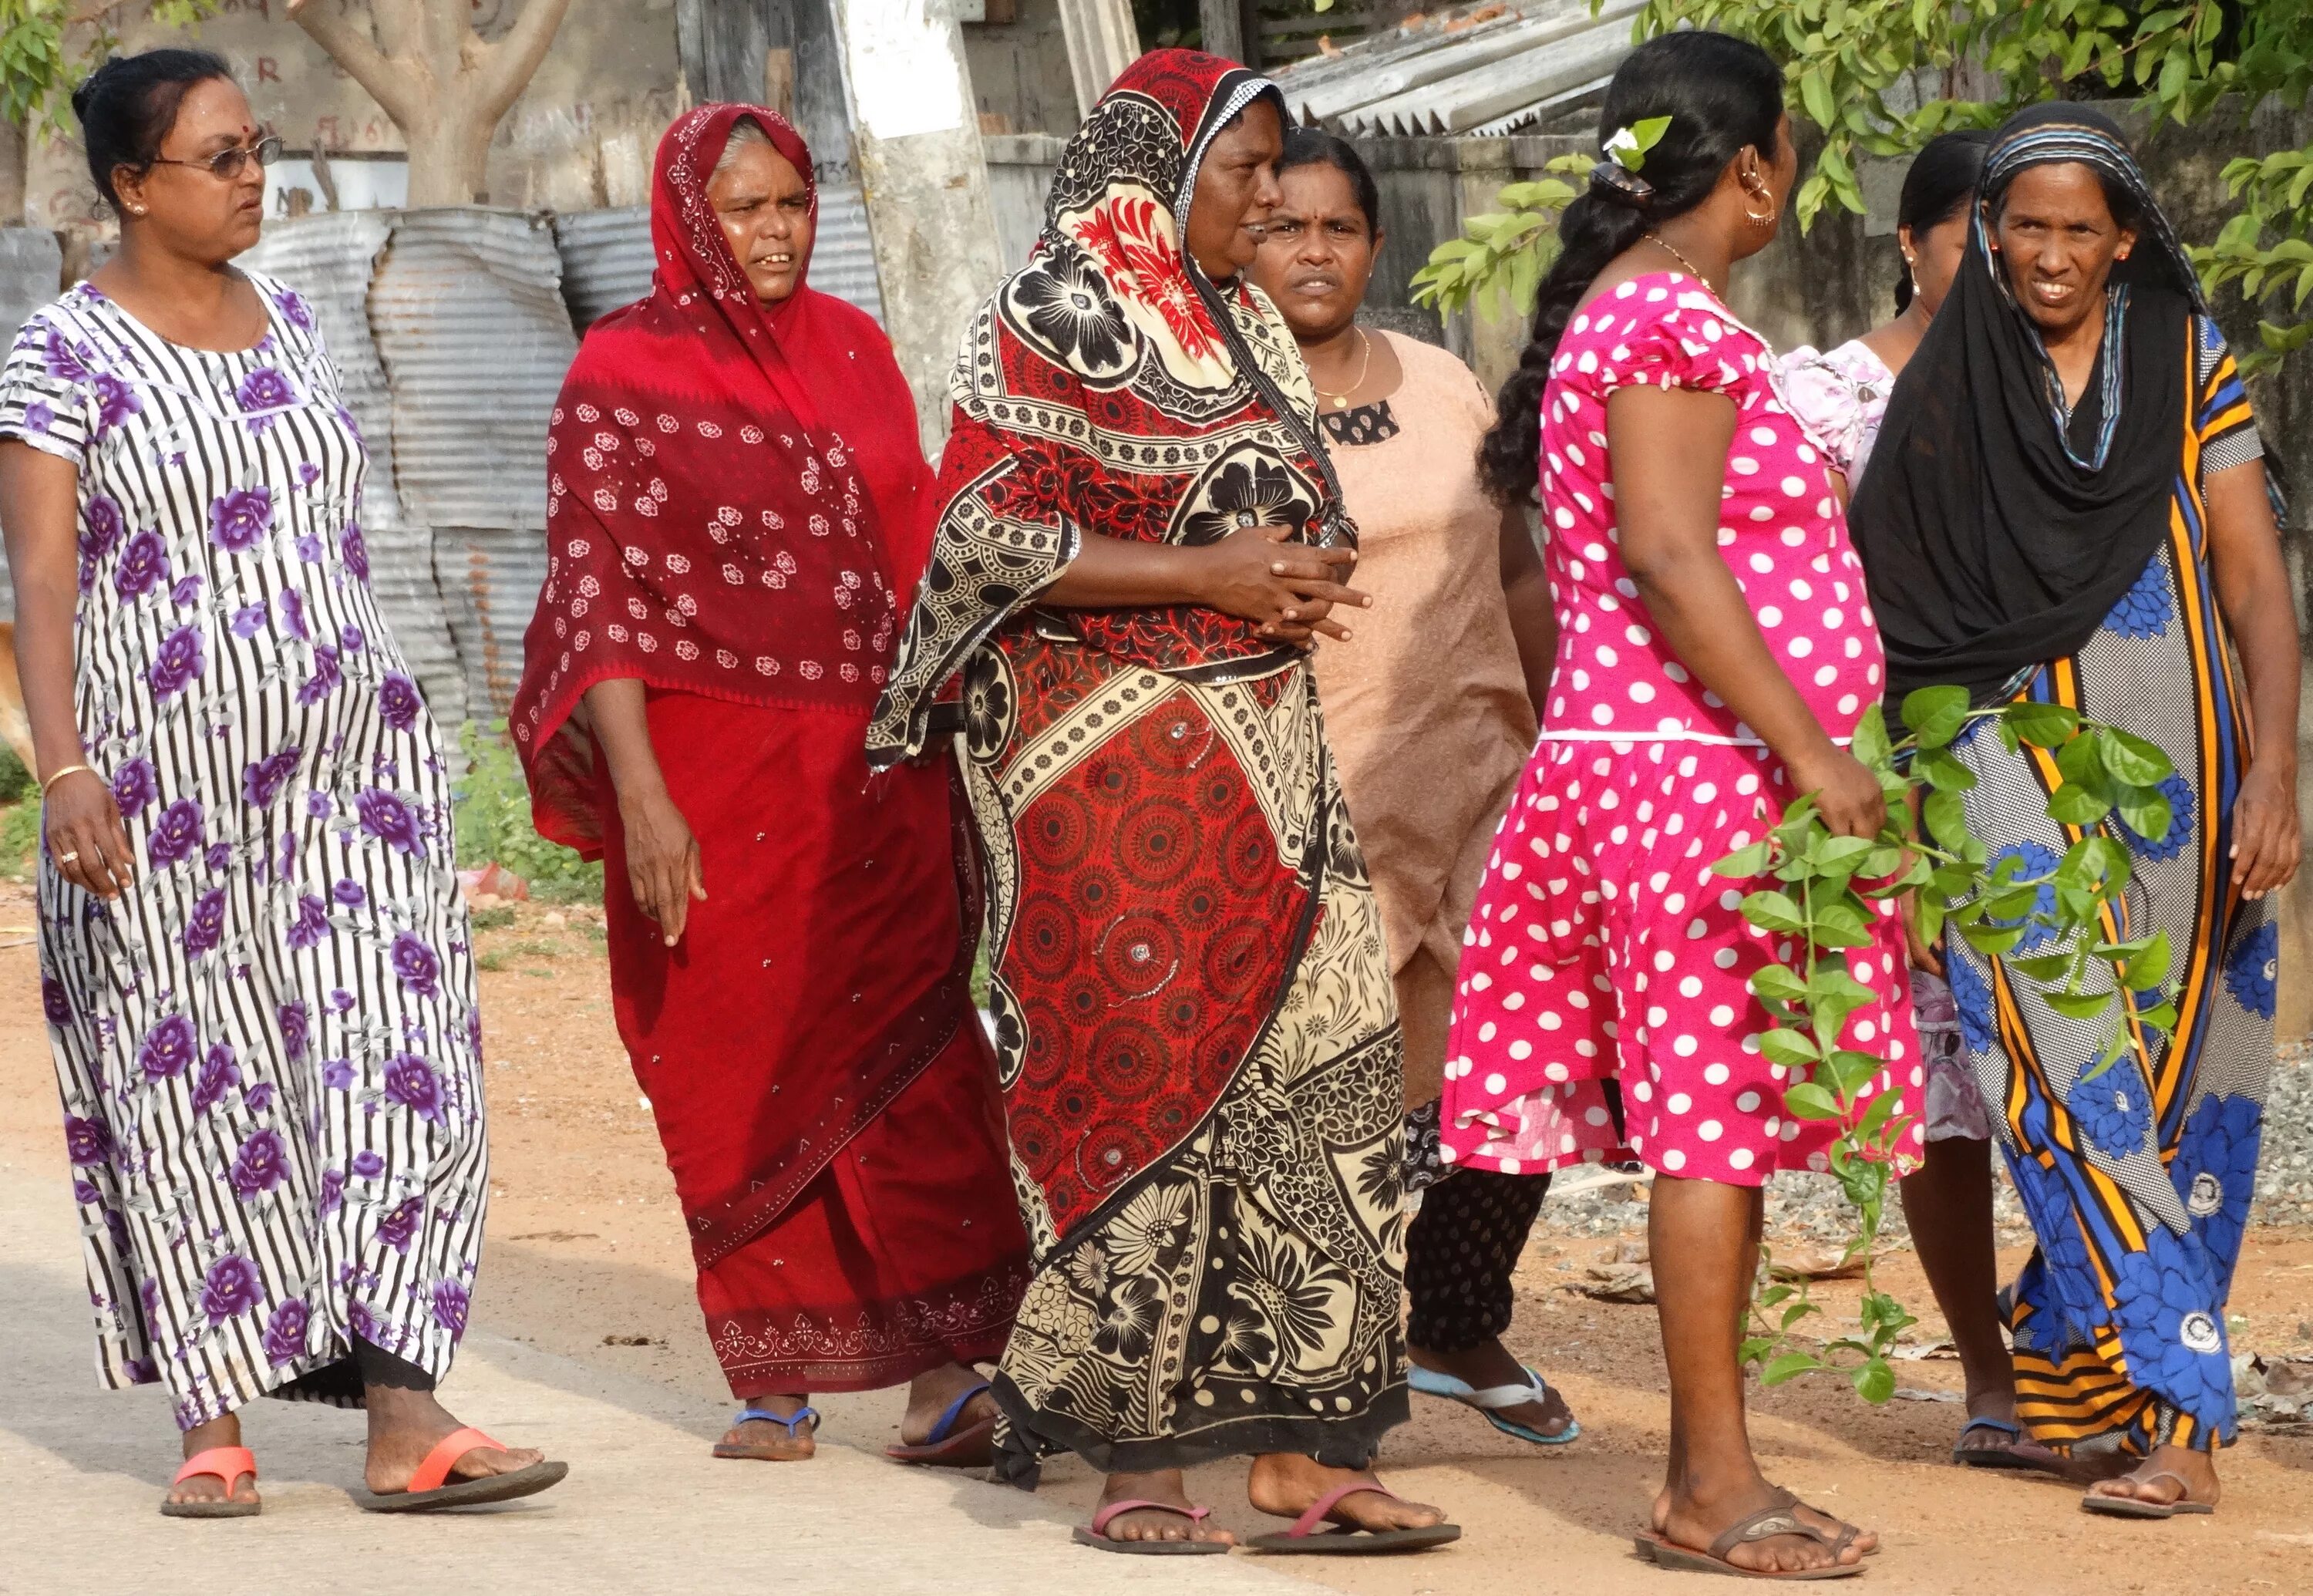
column 1672, row 250
column 1341, row 401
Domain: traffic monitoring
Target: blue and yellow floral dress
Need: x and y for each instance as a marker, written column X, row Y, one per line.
column 2137, row 1182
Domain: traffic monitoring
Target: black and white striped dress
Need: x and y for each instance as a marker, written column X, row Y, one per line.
column 269, row 1049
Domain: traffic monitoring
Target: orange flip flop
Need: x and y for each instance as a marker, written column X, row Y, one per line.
column 228, row 1463
column 428, row 1490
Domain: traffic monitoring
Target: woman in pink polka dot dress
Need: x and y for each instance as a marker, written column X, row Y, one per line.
column 1716, row 652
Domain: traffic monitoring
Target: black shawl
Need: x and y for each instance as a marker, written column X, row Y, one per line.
column 1993, row 543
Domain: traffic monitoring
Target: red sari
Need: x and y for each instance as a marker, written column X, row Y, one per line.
column 738, row 512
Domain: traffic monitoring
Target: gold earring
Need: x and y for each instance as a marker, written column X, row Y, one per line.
column 1759, row 219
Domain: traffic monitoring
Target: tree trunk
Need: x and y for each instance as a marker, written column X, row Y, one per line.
column 443, row 84
column 14, row 151
column 450, row 154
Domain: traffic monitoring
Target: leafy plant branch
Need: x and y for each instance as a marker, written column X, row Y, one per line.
column 1824, row 892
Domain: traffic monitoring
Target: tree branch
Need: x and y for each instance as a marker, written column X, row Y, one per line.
column 350, row 46
column 506, row 69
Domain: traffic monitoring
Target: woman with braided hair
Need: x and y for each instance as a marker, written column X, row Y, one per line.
column 1715, row 655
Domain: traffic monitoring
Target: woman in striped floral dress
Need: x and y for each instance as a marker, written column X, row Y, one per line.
column 254, row 964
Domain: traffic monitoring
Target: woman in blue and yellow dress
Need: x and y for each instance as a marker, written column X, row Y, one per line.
column 2068, row 504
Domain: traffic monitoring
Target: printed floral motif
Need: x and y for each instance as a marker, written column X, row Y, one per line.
column 287, row 797
column 284, row 1332
column 2215, row 1168
column 2143, row 611
column 2172, row 1328
column 240, row 520
column 2254, row 969
column 2034, row 861
column 1972, row 999
column 2114, row 1110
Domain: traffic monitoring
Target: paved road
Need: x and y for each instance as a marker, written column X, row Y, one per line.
column 645, row 1508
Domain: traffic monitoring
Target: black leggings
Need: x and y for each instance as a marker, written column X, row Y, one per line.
column 1459, row 1253
column 345, row 1382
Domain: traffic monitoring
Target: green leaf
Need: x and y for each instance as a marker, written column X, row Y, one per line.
column 1945, row 815
column 1935, row 715
column 2134, row 760
column 1849, row 1070
column 1791, row 1048
column 1746, row 862
column 2075, row 805
column 2042, row 967
column 1807, row 1100
column 2078, row 1005
column 1875, row 1381
column 1870, row 744
column 2150, row 968
column 1992, row 941
column 2045, row 726
column 1941, row 769
column 1773, row 911
column 1789, row 1367
column 2145, row 811
column 1778, row 984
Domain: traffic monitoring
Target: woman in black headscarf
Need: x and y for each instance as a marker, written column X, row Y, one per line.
column 2067, row 504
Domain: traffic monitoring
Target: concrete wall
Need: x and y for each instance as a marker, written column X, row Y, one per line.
column 582, row 136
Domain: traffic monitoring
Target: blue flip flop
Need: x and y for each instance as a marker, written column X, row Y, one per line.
column 1491, row 1399
column 947, row 1447
column 767, row 1454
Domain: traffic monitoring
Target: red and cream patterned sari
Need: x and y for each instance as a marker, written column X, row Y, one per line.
column 1194, row 1020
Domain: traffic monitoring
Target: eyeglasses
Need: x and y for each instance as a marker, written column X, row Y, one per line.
column 226, row 165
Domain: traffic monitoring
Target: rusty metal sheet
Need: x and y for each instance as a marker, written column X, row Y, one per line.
column 606, row 261
column 489, row 578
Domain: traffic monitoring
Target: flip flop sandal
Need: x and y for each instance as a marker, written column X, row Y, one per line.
column 2010, row 1456
column 428, row 1490
column 228, row 1463
column 777, row 1452
column 1766, row 1523
column 1347, row 1540
column 1489, row 1399
column 946, row 1447
column 2130, row 1507
column 1098, row 1536
column 1848, row 1533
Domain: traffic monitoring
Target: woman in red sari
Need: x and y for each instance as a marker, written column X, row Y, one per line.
column 739, row 511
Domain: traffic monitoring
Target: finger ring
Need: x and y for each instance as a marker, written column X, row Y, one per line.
column 65, row 859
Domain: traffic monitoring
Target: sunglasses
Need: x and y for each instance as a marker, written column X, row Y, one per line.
column 228, row 164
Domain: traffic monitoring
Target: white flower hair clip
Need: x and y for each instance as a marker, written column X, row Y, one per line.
column 1617, row 176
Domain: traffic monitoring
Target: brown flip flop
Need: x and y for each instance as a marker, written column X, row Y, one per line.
column 1762, row 1525
column 2131, row 1507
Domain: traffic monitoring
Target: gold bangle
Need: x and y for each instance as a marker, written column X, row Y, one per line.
column 68, row 771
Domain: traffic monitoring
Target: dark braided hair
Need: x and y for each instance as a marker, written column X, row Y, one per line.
column 1721, row 93
column 1940, row 186
column 128, row 106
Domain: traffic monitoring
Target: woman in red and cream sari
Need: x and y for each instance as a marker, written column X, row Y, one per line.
column 1194, row 1020
column 739, row 514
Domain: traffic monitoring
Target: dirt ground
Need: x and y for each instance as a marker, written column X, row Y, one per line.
column 586, row 1257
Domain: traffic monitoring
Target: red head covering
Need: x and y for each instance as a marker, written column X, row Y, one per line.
column 736, row 504
column 1109, row 386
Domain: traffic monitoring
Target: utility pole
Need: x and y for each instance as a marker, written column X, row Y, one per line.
column 918, row 136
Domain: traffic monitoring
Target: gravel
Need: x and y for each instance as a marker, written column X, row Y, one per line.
column 1803, row 1207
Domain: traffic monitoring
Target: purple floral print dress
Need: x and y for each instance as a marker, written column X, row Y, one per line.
column 269, row 1049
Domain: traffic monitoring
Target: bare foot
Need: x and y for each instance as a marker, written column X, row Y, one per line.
column 2155, row 1479
column 1141, row 1523
column 1286, row 1484
column 1489, row 1363
column 775, row 1443
column 1699, row 1515
column 930, row 1395
column 404, row 1426
column 208, row 1487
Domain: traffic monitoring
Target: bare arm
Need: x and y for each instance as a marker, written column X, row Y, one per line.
column 1534, row 617
column 1669, row 452
column 40, row 508
column 2253, row 587
column 1252, row 574
column 662, row 863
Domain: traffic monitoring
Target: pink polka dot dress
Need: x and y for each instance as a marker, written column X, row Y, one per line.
column 1602, row 951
